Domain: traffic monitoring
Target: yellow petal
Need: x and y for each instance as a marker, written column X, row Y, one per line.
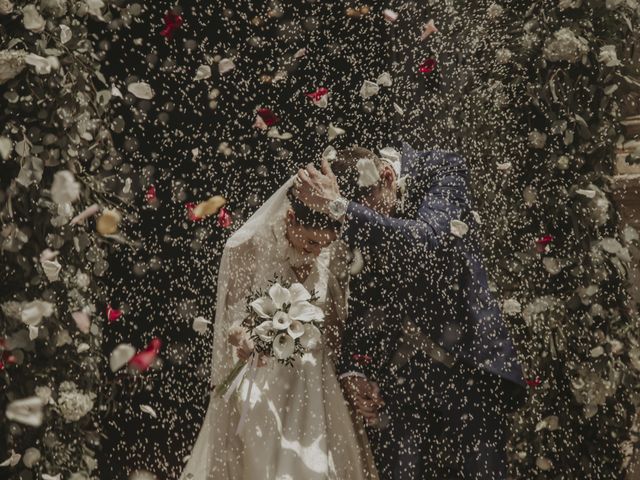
column 209, row 207
column 108, row 222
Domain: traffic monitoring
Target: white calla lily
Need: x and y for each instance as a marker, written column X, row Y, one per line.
column 299, row 293
column 306, row 312
column 283, row 346
column 296, row 329
column 265, row 331
column 281, row 321
column 279, row 295
column 264, row 307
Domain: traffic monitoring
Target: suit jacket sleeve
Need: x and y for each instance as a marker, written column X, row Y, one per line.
column 406, row 244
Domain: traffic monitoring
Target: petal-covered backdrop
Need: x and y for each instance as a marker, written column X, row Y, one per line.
column 134, row 136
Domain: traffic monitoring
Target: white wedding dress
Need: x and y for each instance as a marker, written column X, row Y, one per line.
column 298, row 424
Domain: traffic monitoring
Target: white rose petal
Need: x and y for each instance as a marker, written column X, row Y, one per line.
column 12, row 62
column 476, row 217
column 274, row 133
column 33, row 332
column 459, row 228
column 65, row 188
column 322, row 102
column 149, row 410
column 32, row 19
column 283, row 346
column 34, row 311
column 586, row 192
column 83, row 347
column 12, row 461
column 65, row 34
column 357, row 264
column 115, row 91
column 329, row 153
column 511, row 306
column 94, row 8
column 399, row 110
column 6, row 7
column 6, row 147
column 200, row 324
column 82, row 321
column 368, row 173
column 334, row 131
column 390, row 154
column 369, row 89
column 384, row 80
column 31, row 457
column 281, row 321
column 27, row 411
column 389, row 15
column 51, row 269
column 503, row 167
column 120, row 356
column 608, row 56
column 41, row 65
column 141, row 90
column 203, row 72
column 225, row 65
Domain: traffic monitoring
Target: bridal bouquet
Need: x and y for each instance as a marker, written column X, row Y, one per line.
column 283, row 323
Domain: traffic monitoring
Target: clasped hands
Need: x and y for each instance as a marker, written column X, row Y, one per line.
column 364, row 396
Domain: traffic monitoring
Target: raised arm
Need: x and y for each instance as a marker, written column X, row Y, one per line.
column 445, row 199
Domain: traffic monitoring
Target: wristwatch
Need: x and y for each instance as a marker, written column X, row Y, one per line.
column 338, row 208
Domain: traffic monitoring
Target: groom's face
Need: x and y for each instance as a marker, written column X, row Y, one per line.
column 384, row 196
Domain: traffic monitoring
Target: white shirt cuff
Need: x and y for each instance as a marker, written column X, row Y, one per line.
column 351, row 374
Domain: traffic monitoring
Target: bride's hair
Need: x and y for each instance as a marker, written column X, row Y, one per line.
column 310, row 218
column 345, row 168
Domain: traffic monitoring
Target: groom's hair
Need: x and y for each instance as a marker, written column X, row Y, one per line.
column 310, row 218
column 345, row 168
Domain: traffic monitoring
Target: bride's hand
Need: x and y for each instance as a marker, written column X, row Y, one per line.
column 246, row 348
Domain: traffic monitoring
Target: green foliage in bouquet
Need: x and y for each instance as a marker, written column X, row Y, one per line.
column 57, row 162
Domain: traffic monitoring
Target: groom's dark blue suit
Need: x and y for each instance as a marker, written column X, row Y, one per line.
column 442, row 420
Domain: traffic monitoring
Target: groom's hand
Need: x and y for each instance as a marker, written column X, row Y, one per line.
column 364, row 396
column 316, row 189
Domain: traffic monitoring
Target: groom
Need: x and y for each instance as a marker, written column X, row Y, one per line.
column 426, row 358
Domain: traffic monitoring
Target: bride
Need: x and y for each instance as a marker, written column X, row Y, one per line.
column 297, row 425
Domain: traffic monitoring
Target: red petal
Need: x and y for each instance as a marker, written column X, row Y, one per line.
column 113, row 314
column 268, row 116
column 172, row 23
column 144, row 359
column 318, row 94
column 533, row 383
column 224, row 218
column 428, row 66
column 192, row 216
column 151, row 193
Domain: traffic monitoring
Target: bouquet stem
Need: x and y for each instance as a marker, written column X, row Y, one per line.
column 223, row 388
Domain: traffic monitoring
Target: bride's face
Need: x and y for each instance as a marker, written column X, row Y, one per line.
column 306, row 240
